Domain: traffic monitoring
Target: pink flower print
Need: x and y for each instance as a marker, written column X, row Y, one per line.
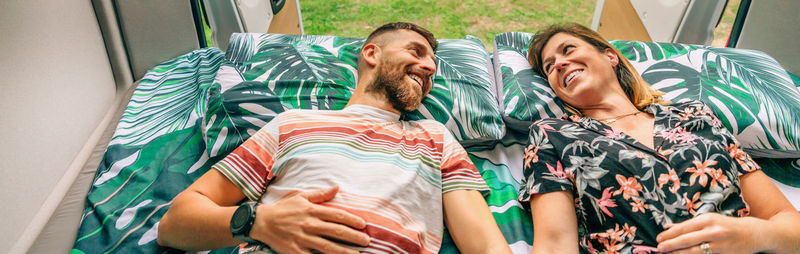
column 613, row 133
column 605, row 201
column 670, row 177
column 628, row 187
column 558, row 171
column 718, row 177
column 694, row 203
column 740, row 156
column 638, row 206
column 531, row 155
column 687, row 113
column 678, row 135
column 546, row 127
column 628, row 231
column 700, row 172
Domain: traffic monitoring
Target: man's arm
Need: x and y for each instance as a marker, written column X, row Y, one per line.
column 555, row 227
column 199, row 219
column 471, row 223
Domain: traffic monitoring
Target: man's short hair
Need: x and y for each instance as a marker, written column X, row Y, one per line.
column 403, row 25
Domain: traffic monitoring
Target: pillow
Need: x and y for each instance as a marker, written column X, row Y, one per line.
column 748, row 90
column 270, row 73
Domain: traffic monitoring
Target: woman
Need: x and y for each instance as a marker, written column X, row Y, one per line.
column 628, row 172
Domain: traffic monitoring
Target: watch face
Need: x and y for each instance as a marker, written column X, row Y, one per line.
column 240, row 217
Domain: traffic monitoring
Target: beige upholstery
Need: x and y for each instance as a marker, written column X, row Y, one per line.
column 57, row 87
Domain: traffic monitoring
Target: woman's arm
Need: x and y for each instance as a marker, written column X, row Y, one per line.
column 555, row 227
column 772, row 226
column 471, row 223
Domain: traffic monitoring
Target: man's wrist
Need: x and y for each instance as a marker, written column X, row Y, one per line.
column 242, row 221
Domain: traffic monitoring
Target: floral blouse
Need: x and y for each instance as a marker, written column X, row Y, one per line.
column 625, row 193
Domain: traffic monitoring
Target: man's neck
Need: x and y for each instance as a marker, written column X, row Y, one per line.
column 362, row 97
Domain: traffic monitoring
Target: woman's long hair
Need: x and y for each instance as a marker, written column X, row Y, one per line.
column 639, row 92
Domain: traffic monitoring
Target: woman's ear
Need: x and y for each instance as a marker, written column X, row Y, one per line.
column 370, row 53
column 612, row 57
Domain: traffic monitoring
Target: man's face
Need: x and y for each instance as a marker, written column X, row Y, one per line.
column 405, row 70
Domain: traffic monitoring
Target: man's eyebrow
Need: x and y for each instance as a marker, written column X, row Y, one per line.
column 422, row 46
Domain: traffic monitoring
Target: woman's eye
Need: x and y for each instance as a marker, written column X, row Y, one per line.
column 568, row 47
column 548, row 67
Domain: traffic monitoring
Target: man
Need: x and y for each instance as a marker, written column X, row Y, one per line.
column 357, row 179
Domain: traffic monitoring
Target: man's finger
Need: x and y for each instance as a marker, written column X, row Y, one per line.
column 325, row 246
column 319, row 196
column 338, row 232
column 338, row 216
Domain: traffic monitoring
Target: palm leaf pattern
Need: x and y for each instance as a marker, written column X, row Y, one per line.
column 168, row 98
column 156, row 152
column 319, row 72
column 463, row 96
column 750, row 93
column 524, row 93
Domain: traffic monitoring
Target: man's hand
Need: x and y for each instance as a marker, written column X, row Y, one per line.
column 299, row 224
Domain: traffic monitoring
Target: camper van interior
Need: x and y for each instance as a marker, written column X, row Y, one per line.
column 110, row 108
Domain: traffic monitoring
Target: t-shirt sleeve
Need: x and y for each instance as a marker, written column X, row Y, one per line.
column 742, row 162
column 249, row 166
column 458, row 171
column 543, row 172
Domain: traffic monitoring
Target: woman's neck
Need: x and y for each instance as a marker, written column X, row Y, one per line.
column 610, row 107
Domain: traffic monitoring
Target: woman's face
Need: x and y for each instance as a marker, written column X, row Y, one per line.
column 578, row 73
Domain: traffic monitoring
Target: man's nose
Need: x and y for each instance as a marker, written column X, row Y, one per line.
column 429, row 66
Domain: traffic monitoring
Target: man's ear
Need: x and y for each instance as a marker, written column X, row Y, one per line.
column 370, row 53
column 612, row 57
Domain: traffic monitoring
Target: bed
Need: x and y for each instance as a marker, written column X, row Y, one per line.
column 189, row 112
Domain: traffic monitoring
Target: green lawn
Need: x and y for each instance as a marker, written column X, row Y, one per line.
column 445, row 18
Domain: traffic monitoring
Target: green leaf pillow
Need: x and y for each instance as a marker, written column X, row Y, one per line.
column 748, row 90
column 274, row 72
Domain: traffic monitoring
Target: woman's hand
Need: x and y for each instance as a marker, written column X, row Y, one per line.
column 722, row 234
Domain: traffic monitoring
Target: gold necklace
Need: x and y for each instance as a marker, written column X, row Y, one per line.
column 614, row 119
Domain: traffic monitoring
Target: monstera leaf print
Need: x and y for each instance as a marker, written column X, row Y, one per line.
column 743, row 87
column 749, row 92
column 463, row 96
column 308, row 69
column 638, row 51
column 525, row 94
column 319, row 72
column 169, row 97
column 158, row 151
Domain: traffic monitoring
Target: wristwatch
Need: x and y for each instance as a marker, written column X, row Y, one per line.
column 243, row 220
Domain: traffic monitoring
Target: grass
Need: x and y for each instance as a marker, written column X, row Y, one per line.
column 445, row 18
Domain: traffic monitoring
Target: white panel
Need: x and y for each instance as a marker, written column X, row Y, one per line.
column 660, row 17
column 56, row 86
column 771, row 26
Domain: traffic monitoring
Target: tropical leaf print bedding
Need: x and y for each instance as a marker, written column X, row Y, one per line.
column 749, row 91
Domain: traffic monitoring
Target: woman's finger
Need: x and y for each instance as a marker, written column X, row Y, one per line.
column 690, row 225
column 685, row 241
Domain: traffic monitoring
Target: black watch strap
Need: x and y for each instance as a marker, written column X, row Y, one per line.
column 242, row 222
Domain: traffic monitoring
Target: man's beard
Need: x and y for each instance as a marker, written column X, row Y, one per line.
column 403, row 97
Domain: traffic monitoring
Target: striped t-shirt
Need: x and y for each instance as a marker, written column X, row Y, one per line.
column 392, row 173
